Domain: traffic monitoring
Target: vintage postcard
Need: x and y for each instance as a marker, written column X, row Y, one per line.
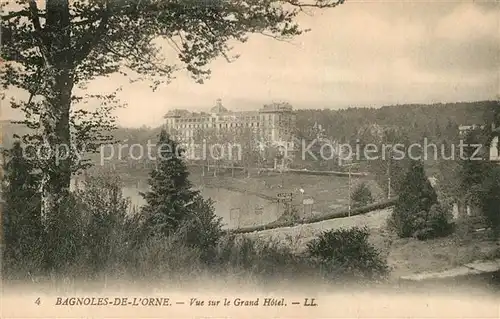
column 250, row 159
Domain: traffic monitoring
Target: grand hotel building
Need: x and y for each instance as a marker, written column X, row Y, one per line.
column 272, row 124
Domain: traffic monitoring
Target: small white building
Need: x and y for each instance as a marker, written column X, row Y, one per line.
column 494, row 153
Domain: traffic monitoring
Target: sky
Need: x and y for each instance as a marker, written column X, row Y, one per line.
column 362, row 53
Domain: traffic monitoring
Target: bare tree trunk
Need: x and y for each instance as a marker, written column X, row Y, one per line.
column 55, row 116
column 57, row 175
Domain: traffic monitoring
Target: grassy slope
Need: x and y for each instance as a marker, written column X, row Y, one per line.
column 405, row 256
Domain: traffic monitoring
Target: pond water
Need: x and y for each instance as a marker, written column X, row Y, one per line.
column 236, row 209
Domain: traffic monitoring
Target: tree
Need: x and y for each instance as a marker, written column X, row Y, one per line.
column 414, row 203
column 247, row 139
column 391, row 163
column 216, row 146
column 483, row 177
column 490, row 199
column 472, row 171
column 104, row 218
column 52, row 50
column 361, row 196
column 172, row 206
column 170, row 190
column 21, row 218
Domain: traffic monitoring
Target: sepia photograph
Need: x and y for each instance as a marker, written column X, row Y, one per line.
column 250, row 159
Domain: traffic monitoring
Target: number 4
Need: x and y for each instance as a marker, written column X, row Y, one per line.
column 37, row 301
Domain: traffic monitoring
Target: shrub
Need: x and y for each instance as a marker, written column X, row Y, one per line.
column 290, row 215
column 163, row 258
column 489, row 198
column 64, row 236
column 361, row 196
column 202, row 229
column 417, row 212
column 259, row 259
column 21, row 222
column 103, row 210
column 346, row 253
column 436, row 224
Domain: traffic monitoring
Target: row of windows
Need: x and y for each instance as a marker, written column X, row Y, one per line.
column 233, row 124
column 226, row 118
column 194, row 120
column 220, row 125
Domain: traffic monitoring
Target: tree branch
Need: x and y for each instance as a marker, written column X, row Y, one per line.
column 35, row 19
column 138, row 58
column 34, row 16
column 16, row 14
column 91, row 38
column 317, row 4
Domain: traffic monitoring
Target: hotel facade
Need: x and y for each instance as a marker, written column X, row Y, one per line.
column 273, row 124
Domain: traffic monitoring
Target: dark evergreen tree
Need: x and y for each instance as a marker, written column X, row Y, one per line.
column 472, row 171
column 490, row 199
column 487, row 174
column 173, row 206
column 415, row 201
column 170, row 192
column 392, row 161
column 21, row 212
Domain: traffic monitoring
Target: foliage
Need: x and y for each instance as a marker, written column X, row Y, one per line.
column 449, row 174
column 22, row 227
column 52, row 50
column 472, row 171
column 290, row 214
column 361, row 196
column 479, row 179
column 435, row 224
column 171, row 203
column 348, row 253
column 489, row 198
column 94, row 237
column 104, row 216
column 65, row 236
column 256, row 258
column 437, row 122
column 202, row 228
column 415, row 212
column 163, row 257
column 170, row 191
column 390, row 162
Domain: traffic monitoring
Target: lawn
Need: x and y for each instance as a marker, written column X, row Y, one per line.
column 328, row 192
